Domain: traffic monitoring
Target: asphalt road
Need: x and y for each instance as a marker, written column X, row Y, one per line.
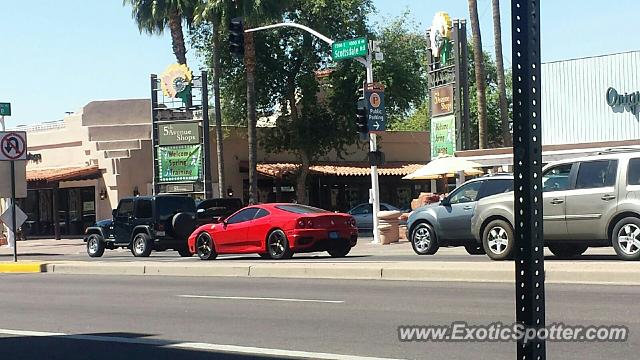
column 99, row 317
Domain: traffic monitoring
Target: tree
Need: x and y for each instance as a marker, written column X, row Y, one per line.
column 502, row 90
column 153, row 16
column 479, row 72
column 212, row 12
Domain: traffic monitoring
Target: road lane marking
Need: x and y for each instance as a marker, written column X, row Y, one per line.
column 260, row 298
column 236, row 349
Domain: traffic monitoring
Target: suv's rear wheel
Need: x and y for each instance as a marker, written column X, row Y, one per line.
column 95, row 245
column 497, row 240
column 567, row 251
column 423, row 240
column 142, row 245
column 205, row 248
column 625, row 238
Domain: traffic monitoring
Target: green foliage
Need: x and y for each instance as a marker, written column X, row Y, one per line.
column 152, row 16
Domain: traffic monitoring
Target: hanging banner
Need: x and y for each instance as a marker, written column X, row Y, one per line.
column 180, row 163
column 443, row 136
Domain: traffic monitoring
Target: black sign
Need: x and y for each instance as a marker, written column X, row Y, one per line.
column 374, row 97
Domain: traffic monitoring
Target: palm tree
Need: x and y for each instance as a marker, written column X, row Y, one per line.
column 254, row 13
column 480, row 77
column 214, row 11
column 153, row 16
column 502, row 91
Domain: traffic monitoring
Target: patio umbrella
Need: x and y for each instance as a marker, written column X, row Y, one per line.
column 443, row 167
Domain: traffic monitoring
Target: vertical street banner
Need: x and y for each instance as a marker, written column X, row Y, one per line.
column 443, row 135
column 180, row 163
column 374, row 99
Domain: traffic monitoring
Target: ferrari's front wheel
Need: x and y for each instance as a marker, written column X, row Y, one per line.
column 278, row 245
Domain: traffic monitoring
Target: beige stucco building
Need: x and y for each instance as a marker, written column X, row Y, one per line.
column 103, row 152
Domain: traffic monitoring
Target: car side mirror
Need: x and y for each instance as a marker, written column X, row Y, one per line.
column 445, row 202
column 225, row 223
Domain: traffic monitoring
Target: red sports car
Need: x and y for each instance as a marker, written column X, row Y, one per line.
column 276, row 231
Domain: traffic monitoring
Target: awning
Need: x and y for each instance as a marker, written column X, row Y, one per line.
column 64, row 174
column 338, row 169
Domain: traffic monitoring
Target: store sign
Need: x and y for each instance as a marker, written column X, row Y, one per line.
column 443, row 136
column 180, row 163
column 626, row 101
column 442, row 100
column 179, row 133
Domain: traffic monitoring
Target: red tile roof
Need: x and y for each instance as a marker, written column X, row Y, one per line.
column 64, row 174
column 339, row 169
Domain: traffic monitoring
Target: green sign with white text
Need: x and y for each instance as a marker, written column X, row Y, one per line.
column 443, row 135
column 348, row 49
column 5, row 109
column 180, row 163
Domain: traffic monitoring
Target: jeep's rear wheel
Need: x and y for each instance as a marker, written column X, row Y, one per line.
column 340, row 250
column 184, row 252
column 497, row 240
column 95, row 245
column 141, row 245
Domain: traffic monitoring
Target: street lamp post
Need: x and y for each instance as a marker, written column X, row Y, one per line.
column 373, row 146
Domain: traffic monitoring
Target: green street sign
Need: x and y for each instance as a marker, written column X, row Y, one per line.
column 348, row 49
column 180, row 163
column 5, row 109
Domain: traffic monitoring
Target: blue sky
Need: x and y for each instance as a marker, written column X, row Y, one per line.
column 55, row 56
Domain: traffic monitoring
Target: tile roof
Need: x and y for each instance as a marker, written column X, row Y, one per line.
column 339, row 169
column 64, row 174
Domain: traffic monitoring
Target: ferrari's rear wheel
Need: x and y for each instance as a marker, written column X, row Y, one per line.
column 205, row 248
column 278, row 245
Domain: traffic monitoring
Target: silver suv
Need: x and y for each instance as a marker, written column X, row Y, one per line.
column 587, row 202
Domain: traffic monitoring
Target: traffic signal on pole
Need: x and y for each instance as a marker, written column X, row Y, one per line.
column 236, row 37
column 361, row 117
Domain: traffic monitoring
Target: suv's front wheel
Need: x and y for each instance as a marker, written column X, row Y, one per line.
column 497, row 240
column 95, row 245
column 141, row 245
column 423, row 239
column 625, row 238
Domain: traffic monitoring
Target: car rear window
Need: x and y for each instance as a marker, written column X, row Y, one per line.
column 496, row 186
column 300, row 209
column 633, row 172
column 168, row 206
column 596, row 174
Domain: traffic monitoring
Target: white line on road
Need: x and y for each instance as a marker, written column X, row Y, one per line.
column 260, row 298
column 249, row 350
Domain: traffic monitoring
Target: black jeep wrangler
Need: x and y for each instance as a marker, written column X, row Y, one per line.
column 143, row 224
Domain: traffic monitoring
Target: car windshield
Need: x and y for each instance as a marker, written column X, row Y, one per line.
column 168, row 206
column 301, row 209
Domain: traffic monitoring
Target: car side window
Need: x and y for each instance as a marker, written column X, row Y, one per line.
column 144, row 209
column 384, row 208
column 466, row 193
column 243, row 215
column 260, row 214
column 125, row 209
column 497, row 186
column 633, row 172
column 556, row 178
column 596, row 174
column 363, row 209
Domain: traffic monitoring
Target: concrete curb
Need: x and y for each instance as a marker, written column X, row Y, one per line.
column 21, row 267
column 496, row 272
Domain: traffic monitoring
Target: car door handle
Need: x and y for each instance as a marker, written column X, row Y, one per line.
column 608, row 197
column 556, row 201
column 468, row 207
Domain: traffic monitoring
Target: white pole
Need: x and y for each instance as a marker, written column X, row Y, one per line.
column 373, row 146
column 6, row 203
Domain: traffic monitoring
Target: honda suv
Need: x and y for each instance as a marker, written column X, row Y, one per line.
column 448, row 223
column 143, row 224
column 590, row 201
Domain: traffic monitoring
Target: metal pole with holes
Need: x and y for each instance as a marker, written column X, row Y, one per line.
column 527, row 152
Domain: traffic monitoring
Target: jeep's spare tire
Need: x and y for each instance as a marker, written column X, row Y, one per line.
column 183, row 225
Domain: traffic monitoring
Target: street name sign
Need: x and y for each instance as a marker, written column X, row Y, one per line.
column 374, row 98
column 347, row 49
column 13, row 146
column 5, row 109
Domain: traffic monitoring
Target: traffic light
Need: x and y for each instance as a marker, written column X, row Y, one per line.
column 361, row 117
column 236, row 37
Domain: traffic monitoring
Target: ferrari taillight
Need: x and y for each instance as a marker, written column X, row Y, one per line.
column 351, row 222
column 301, row 223
column 309, row 223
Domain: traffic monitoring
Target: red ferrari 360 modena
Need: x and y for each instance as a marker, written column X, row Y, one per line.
column 276, row 231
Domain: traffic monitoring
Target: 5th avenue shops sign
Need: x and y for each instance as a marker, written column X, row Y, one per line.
column 180, row 163
column 626, row 101
column 182, row 133
column 442, row 100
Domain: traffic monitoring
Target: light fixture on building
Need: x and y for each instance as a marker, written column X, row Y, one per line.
column 136, row 192
column 229, row 192
column 103, row 194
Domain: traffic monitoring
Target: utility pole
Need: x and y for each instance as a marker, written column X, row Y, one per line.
column 374, row 192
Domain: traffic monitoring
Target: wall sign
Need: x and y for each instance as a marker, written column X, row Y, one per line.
column 443, row 136
column 626, row 101
column 442, row 100
column 180, row 163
